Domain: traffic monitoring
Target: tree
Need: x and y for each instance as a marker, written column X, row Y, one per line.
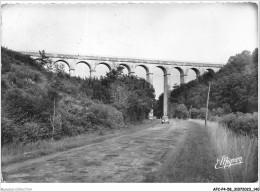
column 235, row 85
column 158, row 107
column 181, row 111
column 43, row 59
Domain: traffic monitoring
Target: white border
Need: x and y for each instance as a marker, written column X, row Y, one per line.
column 122, row 2
column 127, row 186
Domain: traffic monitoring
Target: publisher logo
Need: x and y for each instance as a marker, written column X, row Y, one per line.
column 227, row 162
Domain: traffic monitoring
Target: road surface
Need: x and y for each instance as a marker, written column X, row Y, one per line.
column 125, row 159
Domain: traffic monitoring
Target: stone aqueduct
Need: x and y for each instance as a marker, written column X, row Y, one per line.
column 112, row 63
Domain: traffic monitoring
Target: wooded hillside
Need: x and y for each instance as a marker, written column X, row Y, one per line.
column 40, row 101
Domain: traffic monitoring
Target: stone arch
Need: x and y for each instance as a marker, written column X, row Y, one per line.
column 147, row 70
column 68, row 70
column 63, row 61
column 106, row 64
column 149, row 75
column 83, row 72
column 101, row 71
column 197, row 71
column 126, row 66
column 180, row 70
column 182, row 75
column 89, row 66
column 210, row 70
column 163, row 69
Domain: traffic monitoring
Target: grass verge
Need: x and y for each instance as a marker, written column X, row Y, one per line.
column 226, row 143
column 193, row 160
column 16, row 153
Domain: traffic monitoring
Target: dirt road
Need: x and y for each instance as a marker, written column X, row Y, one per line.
column 128, row 158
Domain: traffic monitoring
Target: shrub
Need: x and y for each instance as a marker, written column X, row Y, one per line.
column 26, row 73
column 203, row 112
column 106, row 115
column 5, row 85
column 73, row 120
column 195, row 113
column 81, row 116
column 218, row 112
column 198, row 113
column 241, row 123
column 228, row 119
column 24, row 106
column 245, row 124
column 181, row 111
column 6, row 66
column 214, row 118
column 29, row 132
column 9, row 131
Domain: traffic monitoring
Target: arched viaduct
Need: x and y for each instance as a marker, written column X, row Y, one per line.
column 131, row 64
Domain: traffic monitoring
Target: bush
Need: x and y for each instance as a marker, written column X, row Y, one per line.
column 6, row 66
column 23, row 106
column 214, row 118
column 228, row 119
column 241, row 123
column 73, row 120
column 203, row 113
column 181, row 111
column 198, row 113
column 9, row 131
column 195, row 113
column 29, row 132
column 5, row 85
column 110, row 115
column 27, row 74
column 81, row 116
column 218, row 112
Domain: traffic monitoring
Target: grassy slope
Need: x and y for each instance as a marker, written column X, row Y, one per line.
column 226, row 143
column 193, row 161
column 27, row 103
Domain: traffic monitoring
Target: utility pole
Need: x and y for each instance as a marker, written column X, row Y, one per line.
column 206, row 118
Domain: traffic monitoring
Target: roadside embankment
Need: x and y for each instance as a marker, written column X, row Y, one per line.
column 19, row 153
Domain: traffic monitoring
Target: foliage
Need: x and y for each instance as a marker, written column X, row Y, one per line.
column 180, row 111
column 8, row 130
column 158, row 107
column 130, row 95
column 234, row 85
column 44, row 60
column 241, row 123
column 40, row 101
column 198, row 113
column 9, row 57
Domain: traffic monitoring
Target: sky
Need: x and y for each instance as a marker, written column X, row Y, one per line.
column 209, row 32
